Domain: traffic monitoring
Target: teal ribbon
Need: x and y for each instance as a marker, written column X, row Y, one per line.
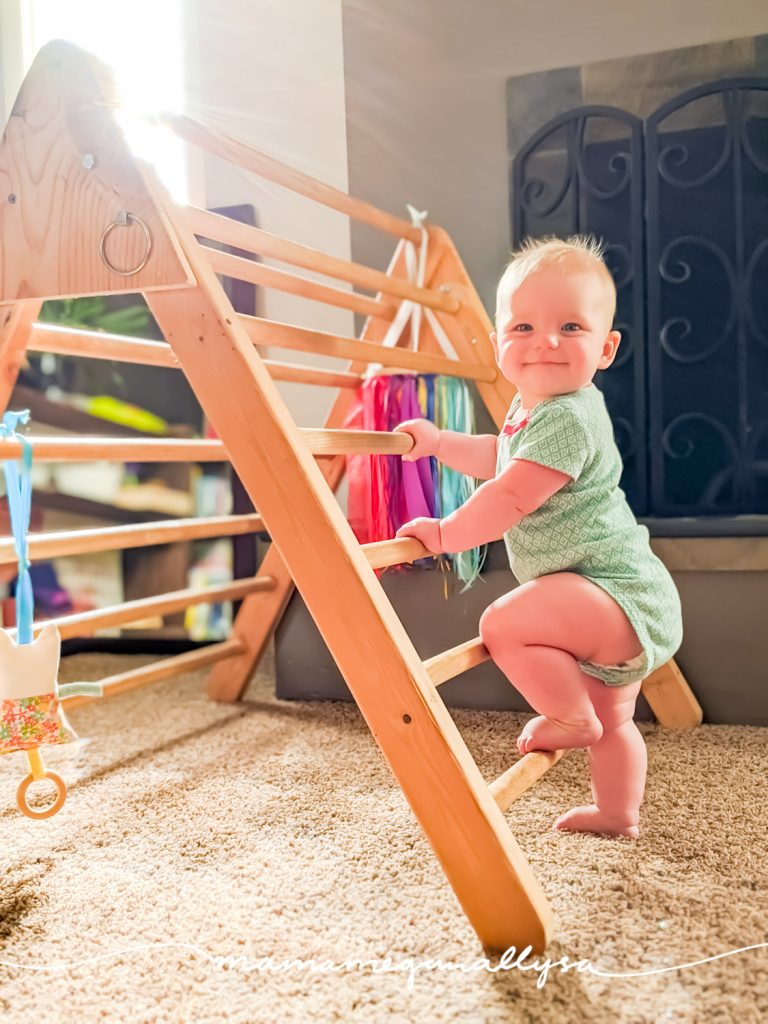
column 19, row 487
column 454, row 410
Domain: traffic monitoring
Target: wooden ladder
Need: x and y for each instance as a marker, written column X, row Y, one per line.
column 73, row 180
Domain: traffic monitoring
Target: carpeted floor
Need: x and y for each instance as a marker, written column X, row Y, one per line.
column 275, row 829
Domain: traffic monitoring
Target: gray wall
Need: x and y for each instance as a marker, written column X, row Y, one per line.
column 426, row 97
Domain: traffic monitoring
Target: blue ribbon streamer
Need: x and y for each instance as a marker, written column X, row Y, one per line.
column 19, row 487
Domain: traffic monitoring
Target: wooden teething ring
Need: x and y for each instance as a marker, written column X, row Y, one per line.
column 122, row 221
column 37, row 772
column 31, row 812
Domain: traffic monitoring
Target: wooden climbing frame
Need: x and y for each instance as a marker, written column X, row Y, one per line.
column 81, row 215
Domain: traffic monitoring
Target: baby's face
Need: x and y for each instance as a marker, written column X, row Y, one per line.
column 556, row 332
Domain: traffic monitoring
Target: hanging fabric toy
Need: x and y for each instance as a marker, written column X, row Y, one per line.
column 30, row 713
column 384, row 491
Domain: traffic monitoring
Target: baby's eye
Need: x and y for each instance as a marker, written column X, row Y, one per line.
column 572, row 324
column 520, row 327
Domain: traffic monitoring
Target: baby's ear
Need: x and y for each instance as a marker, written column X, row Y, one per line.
column 495, row 344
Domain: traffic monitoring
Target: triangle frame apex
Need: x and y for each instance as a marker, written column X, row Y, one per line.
column 75, row 209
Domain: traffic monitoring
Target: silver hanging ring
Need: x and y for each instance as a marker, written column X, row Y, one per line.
column 122, row 221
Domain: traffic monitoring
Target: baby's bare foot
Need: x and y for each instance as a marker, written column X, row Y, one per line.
column 544, row 734
column 592, row 819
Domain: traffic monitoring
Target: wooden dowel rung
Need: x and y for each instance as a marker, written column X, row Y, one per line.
column 269, row 332
column 231, row 232
column 87, row 623
column 294, row 373
column 115, row 449
column 85, row 344
column 356, row 442
column 267, row 167
column 66, row 341
column 459, row 659
column 382, row 553
column 281, row 280
column 118, row 449
column 522, row 775
column 157, row 670
column 117, row 538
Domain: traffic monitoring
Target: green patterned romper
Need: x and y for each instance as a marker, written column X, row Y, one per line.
column 587, row 527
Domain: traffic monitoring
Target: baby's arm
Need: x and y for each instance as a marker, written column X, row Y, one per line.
column 499, row 504
column 473, row 454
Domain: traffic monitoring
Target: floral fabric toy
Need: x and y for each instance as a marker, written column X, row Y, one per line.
column 30, row 694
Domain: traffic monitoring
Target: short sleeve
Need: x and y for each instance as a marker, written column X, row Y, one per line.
column 556, row 437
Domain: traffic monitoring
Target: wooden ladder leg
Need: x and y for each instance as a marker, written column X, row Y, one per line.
column 414, row 730
column 16, row 322
column 671, row 698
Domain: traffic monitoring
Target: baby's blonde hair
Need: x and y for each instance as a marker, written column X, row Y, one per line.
column 538, row 252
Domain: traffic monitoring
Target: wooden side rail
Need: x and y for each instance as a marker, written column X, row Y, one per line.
column 250, row 159
column 283, row 281
column 126, row 449
column 269, row 332
column 67, row 341
column 135, row 535
column 243, row 236
column 522, row 775
column 87, row 623
column 152, row 673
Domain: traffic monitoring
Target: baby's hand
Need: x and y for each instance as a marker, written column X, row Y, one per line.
column 426, row 437
column 425, row 530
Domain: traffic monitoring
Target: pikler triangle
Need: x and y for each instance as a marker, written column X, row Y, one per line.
column 88, row 217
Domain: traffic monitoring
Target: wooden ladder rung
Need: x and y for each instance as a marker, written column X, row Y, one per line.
column 270, row 277
column 459, row 659
column 270, row 333
column 522, row 775
column 382, row 553
column 152, row 673
column 70, row 341
column 117, row 538
column 325, row 441
column 87, row 623
column 267, row 167
column 125, row 449
column 244, row 236
column 116, row 449
column 66, row 341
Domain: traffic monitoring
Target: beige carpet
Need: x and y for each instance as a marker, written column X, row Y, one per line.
column 275, row 829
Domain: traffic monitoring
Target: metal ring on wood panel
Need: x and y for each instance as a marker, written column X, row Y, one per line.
column 122, row 221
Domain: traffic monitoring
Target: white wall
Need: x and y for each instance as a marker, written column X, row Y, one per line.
column 270, row 73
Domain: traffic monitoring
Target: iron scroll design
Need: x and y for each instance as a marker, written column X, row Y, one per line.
column 563, row 183
column 707, row 245
column 681, row 202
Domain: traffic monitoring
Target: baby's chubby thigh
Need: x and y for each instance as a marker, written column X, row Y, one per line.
column 566, row 611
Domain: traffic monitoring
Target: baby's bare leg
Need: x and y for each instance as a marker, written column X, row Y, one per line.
column 537, row 633
column 618, row 763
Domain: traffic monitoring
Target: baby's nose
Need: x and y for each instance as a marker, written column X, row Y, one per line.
column 548, row 339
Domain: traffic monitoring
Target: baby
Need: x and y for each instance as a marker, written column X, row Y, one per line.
column 596, row 611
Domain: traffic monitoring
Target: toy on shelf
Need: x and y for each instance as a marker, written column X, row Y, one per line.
column 30, row 712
